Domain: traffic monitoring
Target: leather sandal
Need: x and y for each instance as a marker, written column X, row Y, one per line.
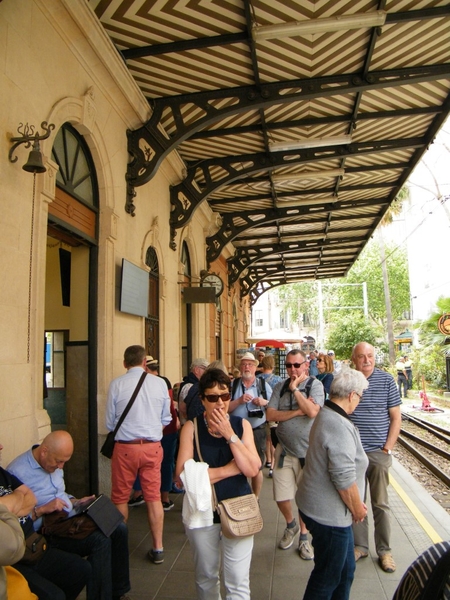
column 360, row 554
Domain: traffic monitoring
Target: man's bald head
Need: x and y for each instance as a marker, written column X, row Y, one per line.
column 56, row 449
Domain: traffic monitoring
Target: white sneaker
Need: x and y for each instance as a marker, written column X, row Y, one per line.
column 288, row 537
column 305, row 550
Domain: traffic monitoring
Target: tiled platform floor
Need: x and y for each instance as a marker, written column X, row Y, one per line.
column 278, row 574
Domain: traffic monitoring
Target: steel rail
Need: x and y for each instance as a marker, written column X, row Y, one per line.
column 425, row 444
column 439, row 432
column 425, row 461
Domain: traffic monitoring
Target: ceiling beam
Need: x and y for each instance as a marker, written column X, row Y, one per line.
column 316, row 121
column 246, row 257
column 302, row 192
column 187, row 195
column 184, row 45
column 256, row 276
column 148, row 145
column 243, row 36
column 256, row 218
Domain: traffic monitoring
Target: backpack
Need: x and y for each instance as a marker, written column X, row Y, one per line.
column 259, row 386
column 194, row 406
column 306, row 392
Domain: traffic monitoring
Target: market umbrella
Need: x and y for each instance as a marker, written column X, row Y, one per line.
column 269, row 344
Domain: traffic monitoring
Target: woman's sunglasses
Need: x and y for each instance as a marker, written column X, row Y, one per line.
column 215, row 397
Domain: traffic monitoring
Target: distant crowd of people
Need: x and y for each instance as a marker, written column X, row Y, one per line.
column 326, row 434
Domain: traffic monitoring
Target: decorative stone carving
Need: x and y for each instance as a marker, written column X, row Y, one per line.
column 89, row 111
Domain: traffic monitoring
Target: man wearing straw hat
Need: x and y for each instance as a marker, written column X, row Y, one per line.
column 250, row 396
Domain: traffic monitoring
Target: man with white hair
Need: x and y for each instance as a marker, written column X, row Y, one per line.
column 198, row 367
column 378, row 419
column 250, row 396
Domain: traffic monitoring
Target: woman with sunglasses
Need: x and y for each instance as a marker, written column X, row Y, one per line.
column 325, row 367
column 226, row 445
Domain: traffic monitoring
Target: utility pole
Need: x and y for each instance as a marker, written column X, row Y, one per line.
column 321, row 335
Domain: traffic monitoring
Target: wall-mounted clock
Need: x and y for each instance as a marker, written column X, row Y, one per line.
column 214, row 281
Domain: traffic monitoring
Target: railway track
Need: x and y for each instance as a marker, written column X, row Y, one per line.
column 429, row 444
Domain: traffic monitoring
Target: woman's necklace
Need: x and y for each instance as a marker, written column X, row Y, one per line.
column 213, row 433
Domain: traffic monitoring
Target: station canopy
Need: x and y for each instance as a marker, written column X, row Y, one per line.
column 298, row 121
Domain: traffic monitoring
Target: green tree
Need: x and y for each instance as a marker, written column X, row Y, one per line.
column 394, row 210
column 347, row 331
column 298, row 299
column 339, row 301
column 368, row 268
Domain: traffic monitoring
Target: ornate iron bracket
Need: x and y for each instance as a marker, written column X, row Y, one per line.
column 257, row 278
column 28, row 137
column 148, row 146
column 187, row 195
column 247, row 257
column 252, row 219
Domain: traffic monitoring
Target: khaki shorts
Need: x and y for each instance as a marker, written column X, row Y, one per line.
column 286, row 478
column 259, row 435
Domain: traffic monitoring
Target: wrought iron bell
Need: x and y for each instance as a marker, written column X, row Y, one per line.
column 35, row 163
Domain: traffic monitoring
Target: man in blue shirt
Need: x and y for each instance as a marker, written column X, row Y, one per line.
column 57, row 575
column 41, row 469
column 138, row 448
column 378, row 419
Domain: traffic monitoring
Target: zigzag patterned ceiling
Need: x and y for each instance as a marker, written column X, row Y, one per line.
column 222, row 98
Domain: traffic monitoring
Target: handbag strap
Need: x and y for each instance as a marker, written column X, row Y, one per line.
column 130, row 403
column 197, row 445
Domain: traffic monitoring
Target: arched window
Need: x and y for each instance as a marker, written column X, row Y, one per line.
column 75, row 207
column 152, row 321
column 76, row 174
column 185, row 259
column 186, row 315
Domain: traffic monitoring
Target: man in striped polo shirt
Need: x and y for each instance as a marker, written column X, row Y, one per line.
column 378, row 419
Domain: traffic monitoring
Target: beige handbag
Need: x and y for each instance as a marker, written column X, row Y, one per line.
column 239, row 516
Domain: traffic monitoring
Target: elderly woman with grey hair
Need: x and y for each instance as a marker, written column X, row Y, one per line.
column 329, row 496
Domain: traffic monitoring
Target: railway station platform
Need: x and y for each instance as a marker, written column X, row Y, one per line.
column 418, row 521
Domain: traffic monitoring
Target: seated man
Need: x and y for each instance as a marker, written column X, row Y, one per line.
column 57, row 575
column 41, row 468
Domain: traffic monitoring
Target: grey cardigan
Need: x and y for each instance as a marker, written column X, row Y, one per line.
column 335, row 460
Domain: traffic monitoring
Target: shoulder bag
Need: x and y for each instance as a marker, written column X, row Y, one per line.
column 35, row 547
column 239, row 516
column 108, row 446
column 77, row 527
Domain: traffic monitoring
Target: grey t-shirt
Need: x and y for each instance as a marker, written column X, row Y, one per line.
column 293, row 434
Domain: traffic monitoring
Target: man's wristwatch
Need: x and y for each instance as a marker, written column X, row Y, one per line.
column 386, row 451
column 234, row 439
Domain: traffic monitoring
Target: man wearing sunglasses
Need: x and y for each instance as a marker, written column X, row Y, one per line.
column 250, row 398
column 294, row 405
